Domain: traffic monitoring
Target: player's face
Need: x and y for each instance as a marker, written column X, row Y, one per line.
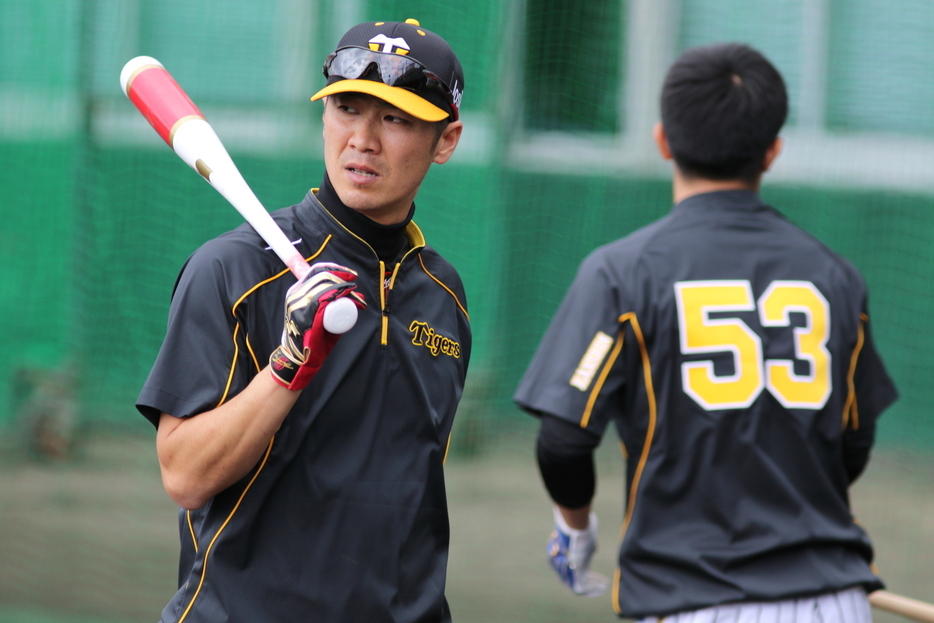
column 376, row 155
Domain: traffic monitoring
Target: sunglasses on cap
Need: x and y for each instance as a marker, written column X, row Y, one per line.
column 395, row 70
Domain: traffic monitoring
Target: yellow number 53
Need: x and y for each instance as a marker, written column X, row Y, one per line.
column 700, row 333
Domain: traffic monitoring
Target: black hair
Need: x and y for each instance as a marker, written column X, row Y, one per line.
column 722, row 107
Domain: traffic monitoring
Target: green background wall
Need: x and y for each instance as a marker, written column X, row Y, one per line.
column 96, row 227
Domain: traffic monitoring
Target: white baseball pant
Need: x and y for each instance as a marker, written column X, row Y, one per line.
column 847, row 606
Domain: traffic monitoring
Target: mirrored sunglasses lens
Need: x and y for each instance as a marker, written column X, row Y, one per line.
column 394, row 69
column 350, row 66
column 398, row 70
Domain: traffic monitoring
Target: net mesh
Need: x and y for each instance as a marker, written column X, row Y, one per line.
column 99, row 215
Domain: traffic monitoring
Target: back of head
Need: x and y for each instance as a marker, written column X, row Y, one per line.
column 722, row 107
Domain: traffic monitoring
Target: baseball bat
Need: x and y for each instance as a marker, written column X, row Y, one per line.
column 902, row 606
column 173, row 115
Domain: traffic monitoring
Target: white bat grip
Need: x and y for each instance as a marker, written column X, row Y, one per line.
column 238, row 193
column 195, row 142
column 340, row 315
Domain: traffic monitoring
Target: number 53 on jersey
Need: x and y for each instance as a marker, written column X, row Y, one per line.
column 706, row 327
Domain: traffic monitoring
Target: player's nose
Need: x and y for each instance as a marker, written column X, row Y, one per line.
column 365, row 136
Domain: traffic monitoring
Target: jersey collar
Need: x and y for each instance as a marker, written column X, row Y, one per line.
column 388, row 241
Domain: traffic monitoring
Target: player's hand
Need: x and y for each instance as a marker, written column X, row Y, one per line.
column 305, row 342
column 570, row 551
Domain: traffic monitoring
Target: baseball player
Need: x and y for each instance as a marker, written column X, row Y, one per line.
column 311, row 487
column 733, row 353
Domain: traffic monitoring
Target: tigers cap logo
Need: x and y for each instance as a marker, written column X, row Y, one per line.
column 391, row 45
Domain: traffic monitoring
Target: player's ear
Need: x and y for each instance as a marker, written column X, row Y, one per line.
column 447, row 142
column 772, row 153
column 661, row 140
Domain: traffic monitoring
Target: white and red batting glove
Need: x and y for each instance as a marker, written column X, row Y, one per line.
column 570, row 551
column 305, row 342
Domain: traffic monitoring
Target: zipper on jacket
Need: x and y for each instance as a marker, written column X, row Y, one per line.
column 386, row 285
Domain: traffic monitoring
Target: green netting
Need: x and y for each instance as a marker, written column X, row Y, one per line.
column 99, row 215
column 590, row 58
column 874, row 77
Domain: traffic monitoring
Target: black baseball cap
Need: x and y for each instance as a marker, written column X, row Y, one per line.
column 412, row 68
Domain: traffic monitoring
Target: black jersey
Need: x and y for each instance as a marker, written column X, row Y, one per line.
column 345, row 517
column 733, row 352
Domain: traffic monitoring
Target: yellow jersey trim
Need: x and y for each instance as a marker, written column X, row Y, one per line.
column 449, row 291
column 850, row 411
column 647, row 444
column 233, row 366
column 207, row 552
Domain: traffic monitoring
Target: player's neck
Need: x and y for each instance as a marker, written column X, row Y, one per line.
column 388, row 241
column 684, row 187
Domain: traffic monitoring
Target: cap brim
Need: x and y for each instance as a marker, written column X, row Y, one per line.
column 400, row 98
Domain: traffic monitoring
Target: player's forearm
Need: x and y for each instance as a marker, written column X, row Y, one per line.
column 857, row 445
column 565, row 461
column 201, row 456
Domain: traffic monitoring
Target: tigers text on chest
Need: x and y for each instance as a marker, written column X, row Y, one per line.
column 424, row 335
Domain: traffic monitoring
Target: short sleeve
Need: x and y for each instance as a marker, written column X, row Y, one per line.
column 573, row 365
column 191, row 371
column 875, row 390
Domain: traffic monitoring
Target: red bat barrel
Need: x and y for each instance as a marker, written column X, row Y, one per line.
column 157, row 96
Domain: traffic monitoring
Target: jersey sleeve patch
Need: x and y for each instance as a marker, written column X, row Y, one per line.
column 591, row 361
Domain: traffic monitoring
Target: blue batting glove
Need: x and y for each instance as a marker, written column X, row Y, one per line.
column 570, row 551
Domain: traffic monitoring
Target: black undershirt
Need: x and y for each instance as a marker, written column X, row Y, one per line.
column 389, row 241
column 565, row 461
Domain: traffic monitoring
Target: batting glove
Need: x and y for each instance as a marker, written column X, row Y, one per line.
column 570, row 551
column 305, row 342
